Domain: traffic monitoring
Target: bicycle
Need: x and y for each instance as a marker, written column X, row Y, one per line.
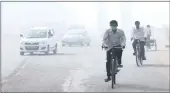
column 150, row 44
column 114, row 64
column 139, row 60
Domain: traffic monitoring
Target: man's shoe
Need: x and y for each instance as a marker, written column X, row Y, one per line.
column 144, row 58
column 107, row 79
column 120, row 66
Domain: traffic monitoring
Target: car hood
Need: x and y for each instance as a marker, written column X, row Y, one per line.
column 71, row 36
column 33, row 39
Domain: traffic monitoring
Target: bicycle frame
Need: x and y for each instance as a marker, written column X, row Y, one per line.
column 138, row 54
column 114, row 65
column 138, row 46
column 114, row 58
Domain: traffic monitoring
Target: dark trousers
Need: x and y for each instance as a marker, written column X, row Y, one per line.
column 148, row 37
column 142, row 44
column 116, row 52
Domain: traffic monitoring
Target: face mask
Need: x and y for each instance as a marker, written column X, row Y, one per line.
column 137, row 25
column 113, row 28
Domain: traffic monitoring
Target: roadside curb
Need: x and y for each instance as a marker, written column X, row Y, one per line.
column 15, row 71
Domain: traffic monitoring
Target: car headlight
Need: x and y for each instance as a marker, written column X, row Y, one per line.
column 81, row 37
column 42, row 42
column 64, row 39
column 22, row 42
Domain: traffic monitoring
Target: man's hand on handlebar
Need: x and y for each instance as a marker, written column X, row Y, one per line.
column 105, row 47
column 123, row 47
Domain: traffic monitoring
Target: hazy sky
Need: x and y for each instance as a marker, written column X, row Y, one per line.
column 154, row 13
column 19, row 15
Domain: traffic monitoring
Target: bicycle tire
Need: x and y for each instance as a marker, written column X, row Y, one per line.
column 138, row 58
column 141, row 59
column 113, row 73
column 114, row 69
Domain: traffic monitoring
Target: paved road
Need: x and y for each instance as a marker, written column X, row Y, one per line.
column 10, row 56
column 76, row 69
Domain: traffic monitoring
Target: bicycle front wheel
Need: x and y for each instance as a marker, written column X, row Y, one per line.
column 141, row 60
column 114, row 66
column 138, row 58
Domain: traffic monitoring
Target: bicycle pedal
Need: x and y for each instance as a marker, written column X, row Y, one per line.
column 117, row 71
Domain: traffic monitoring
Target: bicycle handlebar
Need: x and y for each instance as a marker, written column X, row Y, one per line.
column 117, row 47
column 104, row 47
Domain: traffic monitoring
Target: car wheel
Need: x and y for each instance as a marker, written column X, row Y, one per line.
column 55, row 50
column 82, row 44
column 63, row 45
column 88, row 44
column 47, row 52
column 31, row 53
column 156, row 47
column 21, row 53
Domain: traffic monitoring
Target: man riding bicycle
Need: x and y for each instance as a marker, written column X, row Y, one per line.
column 139, row 33
column 113, row 37
column 148, row 31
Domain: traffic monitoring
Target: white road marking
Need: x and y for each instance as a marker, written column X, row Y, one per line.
column 74, row 81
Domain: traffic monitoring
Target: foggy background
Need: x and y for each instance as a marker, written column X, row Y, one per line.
column 95, row 16
column 23, row 15
column 18, row 17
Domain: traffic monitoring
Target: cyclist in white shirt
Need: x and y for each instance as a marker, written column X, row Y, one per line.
column 148, row 31
column 139, row 33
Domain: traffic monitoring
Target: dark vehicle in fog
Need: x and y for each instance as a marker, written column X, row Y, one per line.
column 76, row 37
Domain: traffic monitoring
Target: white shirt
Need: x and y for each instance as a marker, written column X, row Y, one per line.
column 148, row 31
column 139, row 33
column 111, row 39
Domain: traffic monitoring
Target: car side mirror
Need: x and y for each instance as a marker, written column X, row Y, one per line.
column 21, row 35
column 50, row 35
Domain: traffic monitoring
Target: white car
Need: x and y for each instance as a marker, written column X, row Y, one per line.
column 76, row 37
column 40, row 39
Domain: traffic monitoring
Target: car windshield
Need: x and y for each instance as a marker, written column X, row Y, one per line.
column 36, row 34
column 75, row 32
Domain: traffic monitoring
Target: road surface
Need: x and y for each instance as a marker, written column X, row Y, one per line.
column 82, row 69
column 10, row 54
